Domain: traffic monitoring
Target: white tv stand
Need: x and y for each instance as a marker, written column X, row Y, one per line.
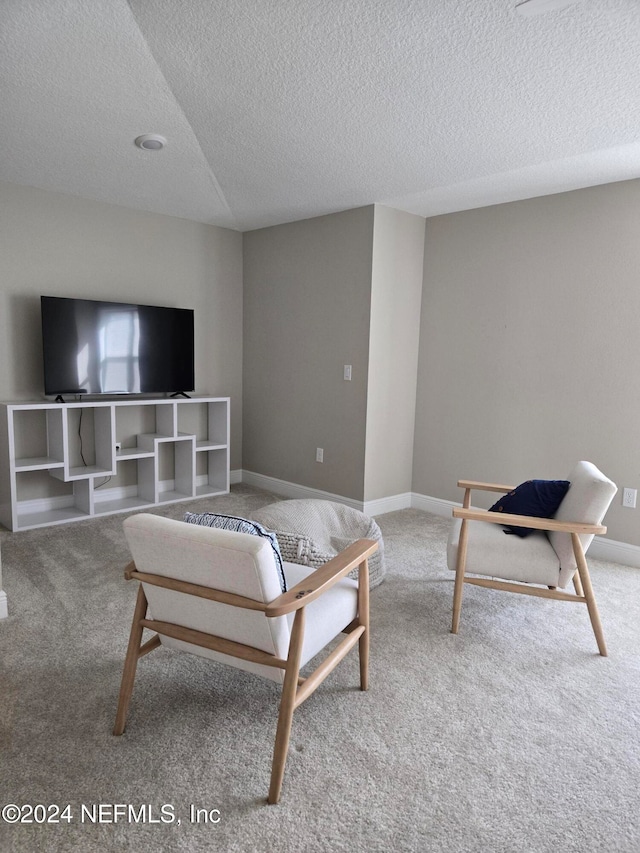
column 64, row 462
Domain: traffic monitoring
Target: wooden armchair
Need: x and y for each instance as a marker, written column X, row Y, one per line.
column 217, row 594
column 544, row 563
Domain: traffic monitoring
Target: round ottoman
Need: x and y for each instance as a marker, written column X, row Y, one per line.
column 311, row 532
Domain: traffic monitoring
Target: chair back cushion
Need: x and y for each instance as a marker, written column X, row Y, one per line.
column 587, row 501
column 240, row 525
column 232, row 562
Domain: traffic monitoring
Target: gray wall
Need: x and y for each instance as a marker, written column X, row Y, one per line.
column 333, row 290
column 396, row 292
column 65, row 246
column 307, row 292
column 530, row 344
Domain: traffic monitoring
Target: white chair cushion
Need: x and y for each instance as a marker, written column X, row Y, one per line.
column 588, row 499
column 327, row 615
column 494, row 553
column 239, row 525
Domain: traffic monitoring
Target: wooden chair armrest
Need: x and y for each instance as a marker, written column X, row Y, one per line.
column 486, row 487
column 207, row 592
column 505, row 518
column 322, row 579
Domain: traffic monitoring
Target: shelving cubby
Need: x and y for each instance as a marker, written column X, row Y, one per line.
column 63, row 462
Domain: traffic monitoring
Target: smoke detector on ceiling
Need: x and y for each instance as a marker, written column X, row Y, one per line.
column 529, row 8
column 151, row 142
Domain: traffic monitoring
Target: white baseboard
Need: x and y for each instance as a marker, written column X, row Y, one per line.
column 601, row 548
column 615, row 552
column 390, row 504
column 43, row 504
column 235, row 476
column 437, row 506
column 293, row 490
column 4, row 605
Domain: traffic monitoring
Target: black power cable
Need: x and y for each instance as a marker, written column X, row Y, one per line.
column 80, row 437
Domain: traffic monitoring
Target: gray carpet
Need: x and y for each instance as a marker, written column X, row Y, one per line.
column 513, row 736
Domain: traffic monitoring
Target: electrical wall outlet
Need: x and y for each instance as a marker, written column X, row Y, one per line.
column 347, row 373
column 629, row 498
column 319, row 454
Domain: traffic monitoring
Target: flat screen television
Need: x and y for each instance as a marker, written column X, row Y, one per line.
column 94, row 347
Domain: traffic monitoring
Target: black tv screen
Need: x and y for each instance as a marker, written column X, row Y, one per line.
column 93, row 347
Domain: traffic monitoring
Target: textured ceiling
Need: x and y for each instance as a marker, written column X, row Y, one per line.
column 276, row 110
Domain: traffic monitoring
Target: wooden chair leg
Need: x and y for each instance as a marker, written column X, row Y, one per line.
column 130, row 662
column 363, row 619
column 592, row 607
column 459, row 583
column 577, row 585
column 287, row 706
